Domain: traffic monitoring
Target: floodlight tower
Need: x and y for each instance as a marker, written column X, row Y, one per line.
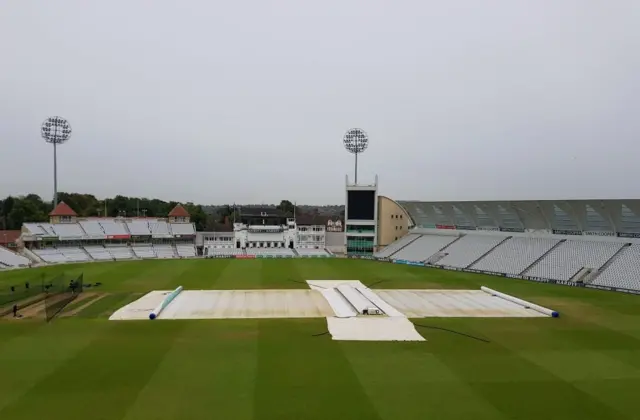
column 356, row 141
column 55, row 130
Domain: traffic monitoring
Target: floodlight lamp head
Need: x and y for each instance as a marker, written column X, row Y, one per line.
column 55, row 130
column 356, row 140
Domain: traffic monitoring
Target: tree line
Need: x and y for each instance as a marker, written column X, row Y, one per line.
column 16, row 210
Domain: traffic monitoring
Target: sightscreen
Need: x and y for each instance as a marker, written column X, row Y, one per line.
column 361, row 205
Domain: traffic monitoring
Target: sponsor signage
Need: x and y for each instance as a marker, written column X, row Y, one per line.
column 567, row 232
column 628, row 235
column 245, row 257
column 489, row 229
column 222, row 256
column 448, row 227
column 118, row 236
column 465, row 227
column 598, row 233
column 406, row 262
column 507, row 229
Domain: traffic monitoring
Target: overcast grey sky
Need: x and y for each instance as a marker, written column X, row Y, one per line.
column 247, row 101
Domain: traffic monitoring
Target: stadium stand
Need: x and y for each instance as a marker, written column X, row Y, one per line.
column 51, row 255
column 570, row 257
column 35, row 229
column 11, row 259
column 74, row 254
column 160, row 229
column 469, row 249
column 113, row 227
column 164, row 251
column 185, row 250
column 144, row 251
column 515, row 255
column 98, row 252
column 623, row 271
column 312, row 252
column 139, row 227
column 424, row 247
column 224, row 251
column 93, row 229
column 69, row 231
column 270, row 251
column 120, row 252
column 183, row 229
column 396, row 246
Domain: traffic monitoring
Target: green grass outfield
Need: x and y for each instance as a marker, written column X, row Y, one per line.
column 583, row 365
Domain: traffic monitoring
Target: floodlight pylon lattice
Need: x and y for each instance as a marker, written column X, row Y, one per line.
column 55, row 130
column 356, row 141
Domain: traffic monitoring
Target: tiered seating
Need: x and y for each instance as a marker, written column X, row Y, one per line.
column 312, row 252
column 139, row 227
column 568, row 258
column 93, row 229
column 111, row 227
column 186, row 250
column 395, row 246
column 11, row 259
column 144, row 251
column 424, row 247
column 98, row 252
column 35, row 229
column 515, row 255
column 160, row 229
column 74, row 254
column 50, row 255
column 468, row 249
column 270, row 251
column 120, row 252
column 164, row 251
column 69, row 231
column 226, row 251
column 182, row 229
column 624, row 271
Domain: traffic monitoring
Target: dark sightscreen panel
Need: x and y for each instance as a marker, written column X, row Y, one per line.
column 361, row 205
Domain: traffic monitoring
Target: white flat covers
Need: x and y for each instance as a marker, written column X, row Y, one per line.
column 452, row 303
column 373, row 328
column 221, row 304
column 141, row 308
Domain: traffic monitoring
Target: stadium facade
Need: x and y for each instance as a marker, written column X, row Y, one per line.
column 593, row 243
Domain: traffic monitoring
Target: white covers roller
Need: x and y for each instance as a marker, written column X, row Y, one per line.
column 342, row 302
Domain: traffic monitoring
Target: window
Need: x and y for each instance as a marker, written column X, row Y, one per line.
column 401, row 216
column 396, row 238
column 392, row 216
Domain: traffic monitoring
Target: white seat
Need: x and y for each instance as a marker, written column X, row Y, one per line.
column 11, row 259
column 568, row 258
column 139, row 227
column 514, row 255
column 185, row 229
column 186, row 250
column 468, row 249
column 160, row 229
column 624, row 270
column 69, row 231
column 164, row 251
column 312, row 252
column 144, row 251
column 113, row 227
column 93, row 229
column 424, row 247
column 98, row 252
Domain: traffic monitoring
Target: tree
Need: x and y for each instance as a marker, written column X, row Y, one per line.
column 25, row 210
column 286, row 207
